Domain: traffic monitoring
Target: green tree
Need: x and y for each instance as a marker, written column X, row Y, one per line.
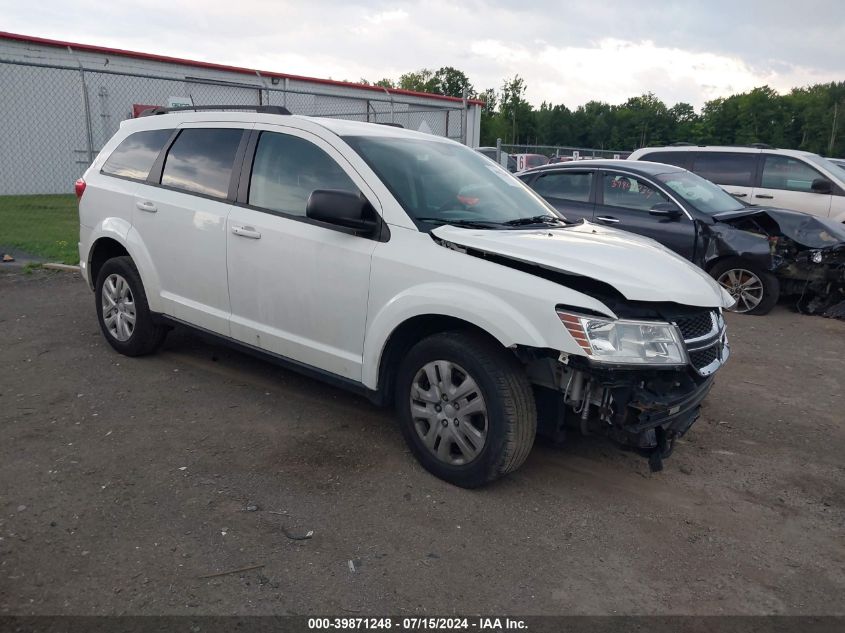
column 452, row 82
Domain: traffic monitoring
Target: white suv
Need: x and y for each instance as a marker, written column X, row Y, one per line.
column 762, row 176
column 406, row 267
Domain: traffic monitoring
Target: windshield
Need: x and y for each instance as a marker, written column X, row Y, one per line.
column 828, row 164
column 701, row 194
column 445, row 183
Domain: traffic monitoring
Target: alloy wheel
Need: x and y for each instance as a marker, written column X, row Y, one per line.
column 118, row 307
column 745, row 287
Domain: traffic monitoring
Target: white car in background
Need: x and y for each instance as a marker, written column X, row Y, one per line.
column 405, row 267
column 781, row 178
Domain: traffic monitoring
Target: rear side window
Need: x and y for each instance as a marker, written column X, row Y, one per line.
column 726, row 168
column 791, row 174
column 201, row 160
column 566, row 185
column 136, row 154
column 678, row 159
column 287, row 169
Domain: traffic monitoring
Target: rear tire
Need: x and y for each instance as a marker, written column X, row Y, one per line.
column 123, row 311
column 755, row 289
column 475, row 419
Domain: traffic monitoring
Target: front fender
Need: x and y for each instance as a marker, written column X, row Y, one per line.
column 498, row 318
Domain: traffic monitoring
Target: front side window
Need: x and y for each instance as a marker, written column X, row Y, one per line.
column 734, row 169
column 565, row 185
column 201, row 160
column 287, row 169
column 135, row 155
column 438, row 182
column 628, row 192
column 791, row 174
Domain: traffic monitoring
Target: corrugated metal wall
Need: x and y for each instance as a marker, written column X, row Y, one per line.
column 59, row 107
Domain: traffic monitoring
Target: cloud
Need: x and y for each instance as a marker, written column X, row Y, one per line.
column 612, row 70
column 680, row 51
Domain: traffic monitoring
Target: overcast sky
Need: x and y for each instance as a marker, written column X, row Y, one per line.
column 568, row 51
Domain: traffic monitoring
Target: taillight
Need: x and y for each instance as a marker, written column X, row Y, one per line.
column 79, row 188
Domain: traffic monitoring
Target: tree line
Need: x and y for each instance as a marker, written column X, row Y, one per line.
column 808, row 118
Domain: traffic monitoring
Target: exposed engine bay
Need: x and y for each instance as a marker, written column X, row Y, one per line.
column 805, row 253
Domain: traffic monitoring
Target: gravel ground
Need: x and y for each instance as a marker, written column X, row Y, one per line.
column 126, row 484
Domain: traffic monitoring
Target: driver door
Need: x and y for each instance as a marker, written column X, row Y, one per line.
column 624, row 203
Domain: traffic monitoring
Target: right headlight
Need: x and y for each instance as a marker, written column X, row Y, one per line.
column 619, row 341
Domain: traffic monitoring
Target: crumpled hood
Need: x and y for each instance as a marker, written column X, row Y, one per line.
column 805, row 229
column 638, row 267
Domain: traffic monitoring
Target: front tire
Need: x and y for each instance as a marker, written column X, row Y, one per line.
column 123, row 311
column 466, row 408
column 755, row 290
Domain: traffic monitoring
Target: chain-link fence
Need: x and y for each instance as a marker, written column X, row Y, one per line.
column 55, row 119
column 557, row 153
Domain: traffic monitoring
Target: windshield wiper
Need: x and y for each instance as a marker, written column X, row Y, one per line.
column 537, row 219
column 473, row 224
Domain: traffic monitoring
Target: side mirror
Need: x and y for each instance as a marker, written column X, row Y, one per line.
column 821, row 185
column 666, row 210
column 342, row 208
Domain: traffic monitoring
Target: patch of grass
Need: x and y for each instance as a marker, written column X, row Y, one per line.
column 46, row 226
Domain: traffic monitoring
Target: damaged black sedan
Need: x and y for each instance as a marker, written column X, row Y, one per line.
column 758, row 254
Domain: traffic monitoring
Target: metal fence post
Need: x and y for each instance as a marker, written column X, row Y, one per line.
column 89, row 135
column 464, row 117
column 499, row 151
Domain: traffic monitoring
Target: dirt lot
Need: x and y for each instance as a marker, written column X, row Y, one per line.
column 123, row 482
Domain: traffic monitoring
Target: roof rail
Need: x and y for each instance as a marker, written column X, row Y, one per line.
column 261, row 109
column 681, row 144
column 760, row 146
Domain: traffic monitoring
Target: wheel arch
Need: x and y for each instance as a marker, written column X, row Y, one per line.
column 407, row 334
column 114, row 238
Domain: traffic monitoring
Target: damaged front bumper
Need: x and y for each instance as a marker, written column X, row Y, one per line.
column 642, row 408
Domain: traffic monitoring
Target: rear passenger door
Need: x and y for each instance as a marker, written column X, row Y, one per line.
column 624, row 203
column 570, row 191
column 786, row 182
column 180, row 219
column 732, row 171
column 298, row 287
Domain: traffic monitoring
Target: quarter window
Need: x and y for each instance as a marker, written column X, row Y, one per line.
column 565, row 185
column 201, row 161
column 736, row 169
column 792, row 174
column 627, row 192
column 135, row 155
column 287, row 169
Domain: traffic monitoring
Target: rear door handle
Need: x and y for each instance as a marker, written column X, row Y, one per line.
column 764, row 195
column 739, row 195
column 246, row 231
column 146, row 205
column 607, row 219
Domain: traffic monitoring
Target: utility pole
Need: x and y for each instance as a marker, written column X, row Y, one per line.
column 833, row 129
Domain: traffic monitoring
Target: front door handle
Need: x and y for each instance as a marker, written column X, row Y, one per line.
column 764, row 195
column 607, row 219
column 739, row 195
column 146, row 205
column 246, row 231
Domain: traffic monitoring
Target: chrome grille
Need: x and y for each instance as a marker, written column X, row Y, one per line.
column 705, row 339
column 697, row 325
